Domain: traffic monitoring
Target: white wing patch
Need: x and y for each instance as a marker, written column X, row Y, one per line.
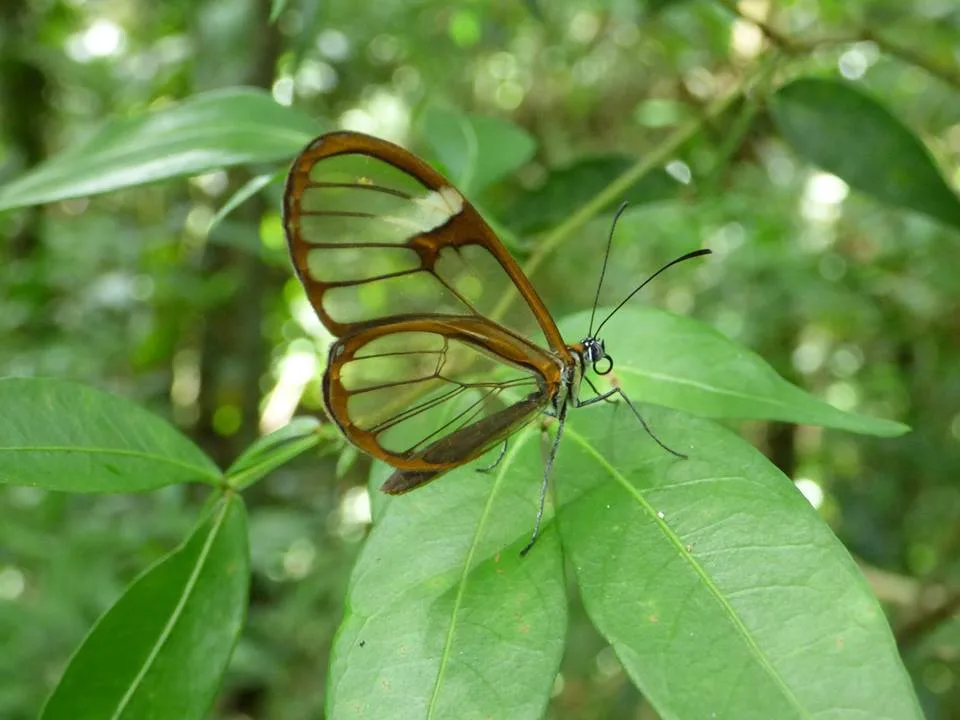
column 433, row 210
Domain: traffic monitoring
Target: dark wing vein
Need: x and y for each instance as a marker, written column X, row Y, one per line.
column 416, row 410
column 455, row 293
column 364, row 281
column 401, row 353
column 474, row 408
column 387, row 386
column 390, row 219
column 341, row 213
column 493, row 388
column 340, row 245
column 360, row 186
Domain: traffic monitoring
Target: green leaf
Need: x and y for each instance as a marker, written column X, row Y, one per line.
column 575, row 185
column 737, row 601
column 718, row 586
column 161, row 650
column 348, row 456
column 476, row 150
column 681, row 363
column 851, row 135
column 276, row 8
column 276, row 449
column 249, row 189
column 208, row 131
column 444, row 618
column 62, row 436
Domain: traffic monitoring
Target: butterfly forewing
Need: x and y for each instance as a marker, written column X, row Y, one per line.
column 375, row 233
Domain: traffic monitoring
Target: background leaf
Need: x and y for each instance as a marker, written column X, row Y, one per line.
column 575, row 184
column 681, row 363
column 851, row 135
column 161, row 650
column 476, row 150
column 249, row 189
column 274, row 450
column 208, row 131
column 62, row 436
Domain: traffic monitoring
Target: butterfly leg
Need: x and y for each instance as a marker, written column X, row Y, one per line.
column 621, row 393
column 491, row 468
column 597, row 392
column 561, row 417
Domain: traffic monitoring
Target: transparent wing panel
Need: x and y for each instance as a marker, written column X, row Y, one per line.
column 410, row 389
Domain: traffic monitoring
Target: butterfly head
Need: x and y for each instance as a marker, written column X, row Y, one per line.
column 595, row 353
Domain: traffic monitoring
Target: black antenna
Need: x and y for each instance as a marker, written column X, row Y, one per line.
column 688, row 256
column 603, row 268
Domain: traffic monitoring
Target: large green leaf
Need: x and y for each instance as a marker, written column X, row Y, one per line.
column 427, row 628
column 444, row 618
column 161, row 650
column 62, row 436
column 851, row 135
column 681, row 363
column 476, row 150
column 718, row 586
column 211, row 130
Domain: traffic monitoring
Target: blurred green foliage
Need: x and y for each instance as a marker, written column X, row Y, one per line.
column 840, row 288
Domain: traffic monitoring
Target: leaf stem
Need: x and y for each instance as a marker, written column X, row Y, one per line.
column 625, row 180
column 909, row 56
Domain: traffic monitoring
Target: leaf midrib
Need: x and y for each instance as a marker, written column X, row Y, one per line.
column 177, row 611
column 467, row 566
column 139, row 454
column 709, row 388
column 714, row 591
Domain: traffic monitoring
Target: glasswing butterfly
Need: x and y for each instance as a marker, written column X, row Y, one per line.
column 443, row 346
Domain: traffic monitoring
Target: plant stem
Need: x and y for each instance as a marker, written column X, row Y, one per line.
column 624, row 181
column 797, row 46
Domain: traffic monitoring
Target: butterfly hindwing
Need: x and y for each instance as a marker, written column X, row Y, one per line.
column 428, row 394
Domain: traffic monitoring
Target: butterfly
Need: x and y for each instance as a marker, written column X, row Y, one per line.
column 443, row 348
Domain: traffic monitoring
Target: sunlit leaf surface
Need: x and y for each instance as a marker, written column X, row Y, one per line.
column 161, row 650
column 718, row 586
column 60, row 435
column 208, row 131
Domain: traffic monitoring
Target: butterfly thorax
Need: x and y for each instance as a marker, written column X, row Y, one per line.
column 589, row 352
